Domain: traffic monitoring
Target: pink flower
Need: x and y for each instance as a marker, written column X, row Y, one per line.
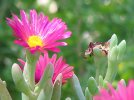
column 59, row 67
column 122, row 93
column 38, row 33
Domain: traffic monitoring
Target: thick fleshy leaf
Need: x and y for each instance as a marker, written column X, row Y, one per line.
column 88, row 95
column 101, row 81
column 113, row 41
column 48, row 73
column 46, row 93
column 76, row 85
column 92, row 86
column 68, row 98
column 57, row 88
column 19, row 81
column 113, row 54
column 122, row 49
column 4, row 94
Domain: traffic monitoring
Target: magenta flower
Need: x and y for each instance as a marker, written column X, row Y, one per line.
column 122, row 93
column 38, row 33
column 59, row 67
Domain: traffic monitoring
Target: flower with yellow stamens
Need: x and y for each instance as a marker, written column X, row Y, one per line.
column 38, row 33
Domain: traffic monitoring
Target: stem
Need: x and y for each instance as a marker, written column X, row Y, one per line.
column 29, row 69
column 100, row 63
column 97, row 74
column 111, row 71
column 31, row 75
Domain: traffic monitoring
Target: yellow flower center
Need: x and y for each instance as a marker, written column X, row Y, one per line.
column 34, row 41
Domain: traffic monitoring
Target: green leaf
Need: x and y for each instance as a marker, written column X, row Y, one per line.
column 100, row 81
column 122, row 49
column 122, row 81
column 113, row 41
column 19, row 81
column 47, row 76
column 88, row 94
column 68, row 98
column 92, row 86
column 57, row 88
column 112, row 56
column 46, row 93
column 76, row 85
column 4, row 94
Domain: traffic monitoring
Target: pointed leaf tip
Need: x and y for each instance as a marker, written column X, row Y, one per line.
column 92, row 86
column 113, row 41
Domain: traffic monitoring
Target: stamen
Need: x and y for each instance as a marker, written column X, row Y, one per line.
column 34, row 41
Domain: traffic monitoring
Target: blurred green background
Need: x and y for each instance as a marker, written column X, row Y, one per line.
column 89, row 20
